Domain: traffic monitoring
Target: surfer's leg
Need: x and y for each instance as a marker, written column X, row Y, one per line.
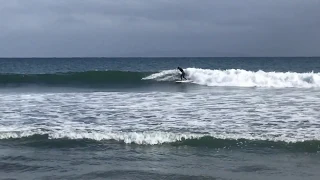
column 182, row 75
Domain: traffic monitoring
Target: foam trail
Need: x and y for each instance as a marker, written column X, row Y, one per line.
column 244, row 78
column 166, row 75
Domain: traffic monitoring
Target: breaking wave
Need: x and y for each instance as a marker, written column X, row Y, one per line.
column 243, row 78
column 58, row 139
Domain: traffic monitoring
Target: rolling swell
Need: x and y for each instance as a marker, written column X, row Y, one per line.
column 207, row 141
column 74, row 78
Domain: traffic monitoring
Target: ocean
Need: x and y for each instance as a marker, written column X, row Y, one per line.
column 127, row 118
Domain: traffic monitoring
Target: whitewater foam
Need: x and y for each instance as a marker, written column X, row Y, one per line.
column 242, row 78
column 160, row 117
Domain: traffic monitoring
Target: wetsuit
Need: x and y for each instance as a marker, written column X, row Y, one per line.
column 182, row 73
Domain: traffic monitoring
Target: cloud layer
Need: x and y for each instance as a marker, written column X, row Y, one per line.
column 159, row 28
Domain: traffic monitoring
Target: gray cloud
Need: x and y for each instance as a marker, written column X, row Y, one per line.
column 159, row 28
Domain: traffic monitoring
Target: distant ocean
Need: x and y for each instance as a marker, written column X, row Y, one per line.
column 127, row 118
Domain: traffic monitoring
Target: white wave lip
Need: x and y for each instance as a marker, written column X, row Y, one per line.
column 146, row 138
column 243, row 78
column 166, row 75
column 142, row 138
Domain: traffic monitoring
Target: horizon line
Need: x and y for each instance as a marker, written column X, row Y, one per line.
column 70, row 57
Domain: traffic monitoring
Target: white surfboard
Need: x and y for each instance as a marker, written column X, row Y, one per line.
column 184, row 81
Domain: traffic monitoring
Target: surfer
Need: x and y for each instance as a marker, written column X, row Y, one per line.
column 182, row 73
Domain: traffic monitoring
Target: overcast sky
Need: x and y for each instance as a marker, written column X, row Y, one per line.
column 64, row 28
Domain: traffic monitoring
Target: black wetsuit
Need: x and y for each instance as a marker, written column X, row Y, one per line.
column 182, row 73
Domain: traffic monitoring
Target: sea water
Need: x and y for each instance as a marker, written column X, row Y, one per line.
column 126, row 118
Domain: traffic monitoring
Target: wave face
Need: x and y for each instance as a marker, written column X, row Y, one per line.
column 88, row 77
column 206, row 77
column 243, row 78
column 64, row 139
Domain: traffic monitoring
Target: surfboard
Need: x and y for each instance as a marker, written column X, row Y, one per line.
column 184, row 81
